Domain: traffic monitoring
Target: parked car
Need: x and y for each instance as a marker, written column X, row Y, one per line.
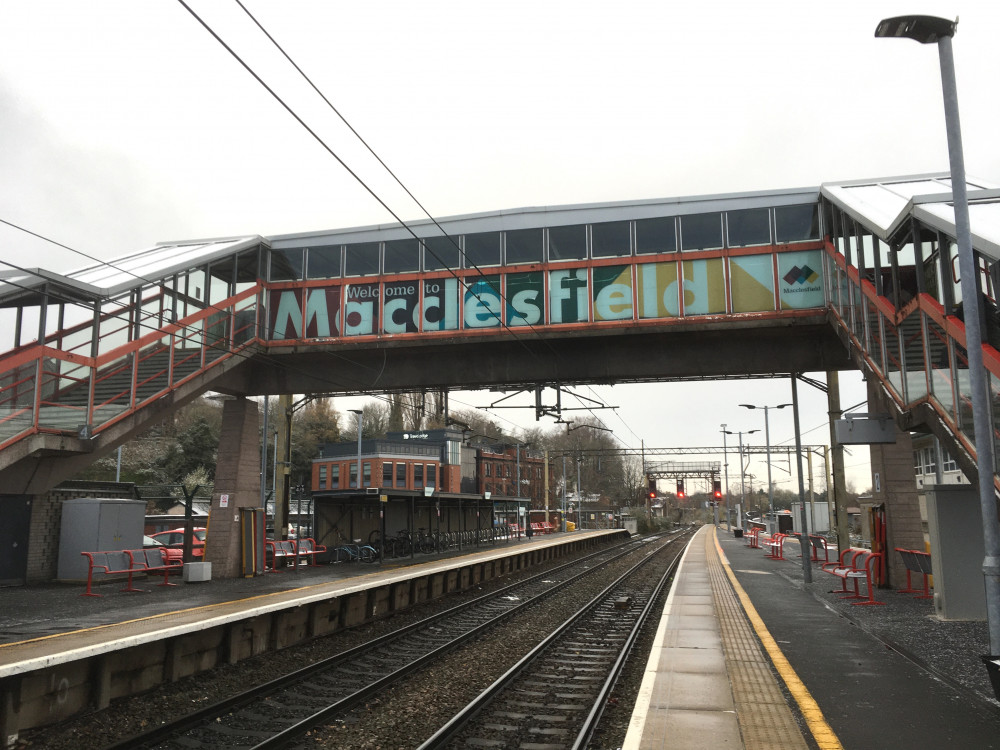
column 175, row 556
column 175, row 539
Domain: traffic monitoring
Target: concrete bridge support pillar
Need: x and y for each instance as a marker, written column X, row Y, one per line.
column 894, row 485
column 237, row 485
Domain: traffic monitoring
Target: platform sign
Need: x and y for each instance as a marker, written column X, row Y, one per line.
column 223, row 501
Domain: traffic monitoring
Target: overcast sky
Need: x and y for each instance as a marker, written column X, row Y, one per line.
column 124, row 124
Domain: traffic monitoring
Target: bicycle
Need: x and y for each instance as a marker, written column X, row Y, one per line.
column 355, row 552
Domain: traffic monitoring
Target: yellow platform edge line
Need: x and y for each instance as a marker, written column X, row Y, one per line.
column 821, row 731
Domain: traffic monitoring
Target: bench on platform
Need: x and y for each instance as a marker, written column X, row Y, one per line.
column 854, row 565
column 130, row 562
column 309, row 549
column 817, row 545
column 282, row 550
column 916, row 562
column 774, row 546
column 753, row 538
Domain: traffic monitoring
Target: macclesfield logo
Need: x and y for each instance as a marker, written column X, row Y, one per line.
column 804, row 275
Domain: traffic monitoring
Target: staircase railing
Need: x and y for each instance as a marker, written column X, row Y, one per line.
column 44, row 388
column 917, row 352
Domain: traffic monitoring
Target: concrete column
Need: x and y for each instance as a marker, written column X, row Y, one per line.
column 893, row 484
column 837, row 493
column 237, row 477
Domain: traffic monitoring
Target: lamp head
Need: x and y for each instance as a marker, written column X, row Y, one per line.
column 923, row 29
column 748, row 406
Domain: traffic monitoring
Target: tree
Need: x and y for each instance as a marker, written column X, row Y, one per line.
column 196, row 446
column 313, row 425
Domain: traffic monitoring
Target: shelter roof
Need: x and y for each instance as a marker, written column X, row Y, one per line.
column 104, row 280
column 883, row 206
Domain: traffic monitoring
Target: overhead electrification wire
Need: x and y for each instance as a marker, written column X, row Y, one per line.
column 385, row 166
column 361, row 182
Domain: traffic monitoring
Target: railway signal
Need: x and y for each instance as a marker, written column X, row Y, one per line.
column 680, row 489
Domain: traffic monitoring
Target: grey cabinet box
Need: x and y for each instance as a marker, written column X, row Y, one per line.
column 98, row 524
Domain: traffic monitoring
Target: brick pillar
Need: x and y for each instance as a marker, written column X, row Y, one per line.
column 896, row 487
column 237, row 475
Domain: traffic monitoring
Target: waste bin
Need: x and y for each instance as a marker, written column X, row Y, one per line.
column 738, row 533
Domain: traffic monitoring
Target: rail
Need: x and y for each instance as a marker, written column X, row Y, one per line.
column 44, row 389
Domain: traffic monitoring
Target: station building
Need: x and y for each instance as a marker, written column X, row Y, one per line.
column 426, row 480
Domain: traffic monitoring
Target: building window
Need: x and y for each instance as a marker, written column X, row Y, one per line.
column 487, row 469
column 401, row 474
column 418, row 476
column 387, row 475
column 322, row 477
column 367, row 474
column 950, row 464
column 354, row 475
column 334, row 476
column 431, row 475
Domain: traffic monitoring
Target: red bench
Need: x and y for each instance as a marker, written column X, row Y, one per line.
column 817, row 544
column 774, row 547
column 854, row 565
column 129, row 561
column 753, row 538
column 916, row 562
column 292, row 549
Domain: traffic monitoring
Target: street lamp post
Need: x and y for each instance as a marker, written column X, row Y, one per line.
column 767, row 440
column 564, row 527
column 743, row 494
column 725, row 469
column 929, row 30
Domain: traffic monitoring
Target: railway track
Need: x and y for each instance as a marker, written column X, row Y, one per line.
column 281, row 711
column 555, row 695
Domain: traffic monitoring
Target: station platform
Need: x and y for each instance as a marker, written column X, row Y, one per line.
column 61, row 653
column 748, row 655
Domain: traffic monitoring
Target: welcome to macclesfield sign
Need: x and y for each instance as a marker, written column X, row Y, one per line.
column 552, row 296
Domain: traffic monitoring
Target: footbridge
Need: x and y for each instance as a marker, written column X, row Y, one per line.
column 848, row 275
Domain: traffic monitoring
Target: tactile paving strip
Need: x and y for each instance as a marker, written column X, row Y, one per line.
column 765, row 719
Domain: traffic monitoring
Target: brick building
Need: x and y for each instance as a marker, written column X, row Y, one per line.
column 428, row 479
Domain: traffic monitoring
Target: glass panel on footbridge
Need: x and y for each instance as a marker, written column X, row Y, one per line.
column 751, row 226
column 361, row 259
column 441, row 253
column 796, row 223
column 482, row 249
column 401, row 256
column 939, row 358
column 524, row 246
column 568, row 243
column 653, row 236
column 610, row 239
column 701, row 231
column 323, row 262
